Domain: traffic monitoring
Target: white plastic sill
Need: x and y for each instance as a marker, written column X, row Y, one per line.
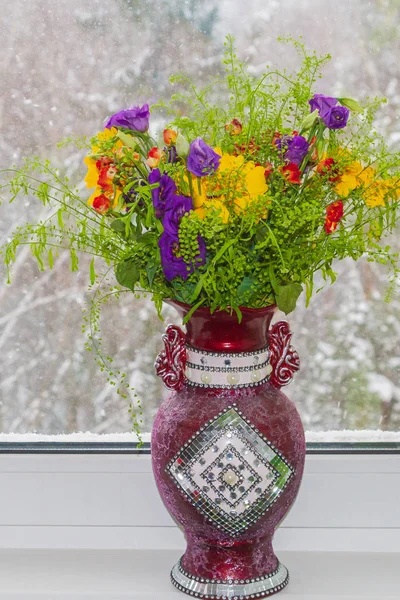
column 134, row 575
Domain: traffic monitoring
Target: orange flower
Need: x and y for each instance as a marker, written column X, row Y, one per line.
column 154, row 156
column 234, row 127
column 170, row 136
column 291, row 173
column 101, row 204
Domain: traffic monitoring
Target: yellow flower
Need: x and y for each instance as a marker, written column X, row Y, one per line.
column 375, row 193
column 106, row 135
column 92, row 175
column 393, row 187
column 236, row 184
column 349, row 179
column 213, row 205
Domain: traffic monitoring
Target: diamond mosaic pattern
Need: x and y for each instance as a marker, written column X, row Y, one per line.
column 230, row 472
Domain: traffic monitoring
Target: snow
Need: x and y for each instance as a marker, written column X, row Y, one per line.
column 348, row 339
column 366, row 435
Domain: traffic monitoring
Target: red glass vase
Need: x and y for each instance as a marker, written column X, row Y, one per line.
column 228, row 449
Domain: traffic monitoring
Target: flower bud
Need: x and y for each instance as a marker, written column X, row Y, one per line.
column 153, row 158
column 182, row 145
column 169, row 137
column 234, row 127
column 309, row 121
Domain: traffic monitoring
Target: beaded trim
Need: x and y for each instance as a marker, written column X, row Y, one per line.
column 227, row 370
column 231, row 589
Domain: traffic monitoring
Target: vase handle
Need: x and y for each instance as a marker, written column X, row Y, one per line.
column 284, row 359
column 170, row 363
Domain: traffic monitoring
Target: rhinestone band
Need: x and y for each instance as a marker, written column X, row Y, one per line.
column 230, row 472
column 209, row 589
column 223, row 370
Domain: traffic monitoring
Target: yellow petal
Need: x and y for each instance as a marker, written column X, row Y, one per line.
column 255, row 182
column 347, row 184
column 366, row 176
column 200, row 212
column 220, row 208
column 105, row 135
column 92, row 175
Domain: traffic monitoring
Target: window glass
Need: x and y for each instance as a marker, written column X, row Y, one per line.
column 65, row 66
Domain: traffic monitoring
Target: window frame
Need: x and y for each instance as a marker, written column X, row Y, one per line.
column 108, row 500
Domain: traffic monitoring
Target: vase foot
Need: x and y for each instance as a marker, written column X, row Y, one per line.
column 209, row 589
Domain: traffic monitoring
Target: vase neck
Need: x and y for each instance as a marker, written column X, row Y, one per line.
column 221, row 331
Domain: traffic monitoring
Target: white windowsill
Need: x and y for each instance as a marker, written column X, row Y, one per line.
column 119, row 575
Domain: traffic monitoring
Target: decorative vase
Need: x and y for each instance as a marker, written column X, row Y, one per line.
column 228, row 449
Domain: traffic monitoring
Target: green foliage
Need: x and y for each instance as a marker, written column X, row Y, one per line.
column 262, row 247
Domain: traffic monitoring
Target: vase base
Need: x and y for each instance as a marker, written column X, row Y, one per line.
column 213, row 589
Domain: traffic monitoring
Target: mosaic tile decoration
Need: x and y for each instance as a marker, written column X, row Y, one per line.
column 230, row 472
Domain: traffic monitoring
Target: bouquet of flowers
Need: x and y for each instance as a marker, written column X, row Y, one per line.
column 251, row 187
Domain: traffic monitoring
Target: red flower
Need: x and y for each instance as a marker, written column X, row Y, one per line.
column 234, row 127
column 291, row 173
column 170, row 136
column 103, row 162
column 327, row 166
column 154, row 156
column 106, row 177
column 101, row 204
column 275, row 137
column 334, row 214
column 268, row 169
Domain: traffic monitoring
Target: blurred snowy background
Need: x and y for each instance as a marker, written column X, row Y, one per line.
column 67, row 64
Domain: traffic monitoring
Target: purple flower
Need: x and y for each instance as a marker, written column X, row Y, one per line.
column 173, row 265
column 180, row 206
column 322, row 103
column 136, row 118
column 202, row 160
column 282, row 143
column 297, row 149
column 336, row 117
column 172, row 156
column 292, row 148
column 162, row 195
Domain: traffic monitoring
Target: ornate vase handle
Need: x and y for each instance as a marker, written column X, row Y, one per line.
column 171, row 362
column 284, row 359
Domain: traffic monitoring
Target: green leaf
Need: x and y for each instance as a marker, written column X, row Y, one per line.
column 50, row 258
column 92, row 272
column 222, row 250
column 127, row 274
column 151, row 271
column 244, row 287
column 309, row 120
column 74, row 260
column 287, row 296
column 60, row 218
column 197, row 290
column 351, row 104
column 128, row 140
column 191, row 311
column 118, row 225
